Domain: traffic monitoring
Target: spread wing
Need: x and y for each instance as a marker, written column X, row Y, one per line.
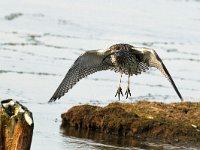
column 150, row 58
column 86, row 64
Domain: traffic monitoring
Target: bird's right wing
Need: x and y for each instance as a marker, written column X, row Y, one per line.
column 86, row 64
column 155, row 61
column 151, row 59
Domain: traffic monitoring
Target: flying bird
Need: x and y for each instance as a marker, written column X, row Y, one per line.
column 121, row 58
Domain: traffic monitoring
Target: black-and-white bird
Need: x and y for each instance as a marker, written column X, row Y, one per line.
column 123, row 58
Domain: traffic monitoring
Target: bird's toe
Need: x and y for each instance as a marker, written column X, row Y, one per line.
column 128, row 92
column 119, row 92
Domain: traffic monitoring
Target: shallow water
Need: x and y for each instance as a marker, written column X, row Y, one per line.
column 39, row 41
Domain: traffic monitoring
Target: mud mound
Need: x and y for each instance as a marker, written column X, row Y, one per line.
column 152, row 121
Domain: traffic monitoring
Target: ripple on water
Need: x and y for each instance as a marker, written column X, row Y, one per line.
column 13, row 16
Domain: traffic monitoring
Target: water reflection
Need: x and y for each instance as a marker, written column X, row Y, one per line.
column 103, row 140
column 98, row 140
column 95, row 140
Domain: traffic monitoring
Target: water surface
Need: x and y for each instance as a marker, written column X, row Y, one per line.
column 39, row 41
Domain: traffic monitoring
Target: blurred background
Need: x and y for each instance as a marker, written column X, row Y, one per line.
column 40, row 40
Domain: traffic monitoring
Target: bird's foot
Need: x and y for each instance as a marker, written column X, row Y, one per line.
column 128, row 92
column 119, row 92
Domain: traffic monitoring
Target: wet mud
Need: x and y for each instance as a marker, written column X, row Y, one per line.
column 173, row 123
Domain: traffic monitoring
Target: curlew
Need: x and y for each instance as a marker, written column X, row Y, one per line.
column 122, row 58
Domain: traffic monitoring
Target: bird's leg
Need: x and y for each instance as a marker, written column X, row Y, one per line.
column 119, row 90
column 128, row 92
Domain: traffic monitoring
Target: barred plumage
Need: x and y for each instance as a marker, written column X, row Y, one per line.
column 123, row 58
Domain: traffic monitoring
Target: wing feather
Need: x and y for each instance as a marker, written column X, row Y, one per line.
column 155, row 61
column 86, row 64
column 149, row 58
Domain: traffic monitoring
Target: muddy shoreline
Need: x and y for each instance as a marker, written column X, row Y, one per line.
column 173, row 123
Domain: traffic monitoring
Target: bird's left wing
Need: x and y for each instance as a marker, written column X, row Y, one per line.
column 86, row 64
